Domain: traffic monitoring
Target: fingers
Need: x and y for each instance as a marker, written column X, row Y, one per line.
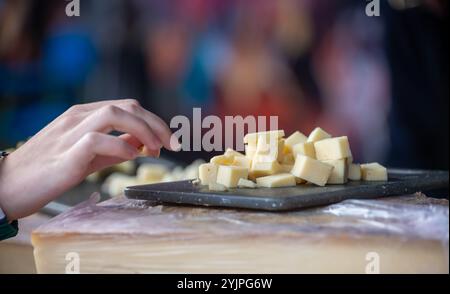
column 89, row 107
column 95, row 144
column 102, row 162
column 169, row 141
column 133, row 141
column 155, row 123
column 110, row 118
column 159, row 127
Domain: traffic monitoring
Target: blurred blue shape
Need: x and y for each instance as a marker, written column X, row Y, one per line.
column 69, row 56
column 210, row 54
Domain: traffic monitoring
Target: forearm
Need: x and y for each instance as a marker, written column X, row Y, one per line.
column 12, row 190
column 74, row 145
column 25, row 188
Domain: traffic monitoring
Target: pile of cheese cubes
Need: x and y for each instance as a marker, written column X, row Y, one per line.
column 147, row 173
column 272, row 161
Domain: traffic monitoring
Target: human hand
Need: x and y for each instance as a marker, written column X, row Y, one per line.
column 75, row 145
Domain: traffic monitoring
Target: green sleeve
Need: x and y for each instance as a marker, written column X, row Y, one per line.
column 8, row 230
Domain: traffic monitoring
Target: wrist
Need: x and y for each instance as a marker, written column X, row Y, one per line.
column 6, row 186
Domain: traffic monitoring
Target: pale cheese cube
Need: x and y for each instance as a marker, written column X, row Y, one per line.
column 250, row 151
column 246, row 184
column 242, row 161
column 116, row 183
column 151, row 172
column 295, row 139
column 252, row 138
column 265, row 146
column 312, row 170
column 191, row 171
column 217, row 187
column 232, row 153
column 331, row 149
column 268, row 151
column 350, row 157
column 128, row 167
column 306, row 149
column 208, row 173
column 374, row 172
column 339, row 175
column 262, row 169
column 222, row 160
column 317, row 135
column 229, row 175
column 354, row 172
column 277, row 181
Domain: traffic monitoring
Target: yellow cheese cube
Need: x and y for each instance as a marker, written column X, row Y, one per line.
column 339, row 175
column 374, row 172
column 252, row 138
column 242, row 161
column 222, row 160
column 312, row 170
column 286, row 168
column 229, row 175
column 317, row 135
column 281, row 145
column 217, row 187
column 354, row 172
column 208, row 173
column 295, row 139
column 277, row 181
column 262, row 169
column 246, row 184
column 331, row 149
column 306, row 149
column 288, row 159
column 232, row 153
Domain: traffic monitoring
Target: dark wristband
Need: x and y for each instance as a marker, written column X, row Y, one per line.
column 7, row 229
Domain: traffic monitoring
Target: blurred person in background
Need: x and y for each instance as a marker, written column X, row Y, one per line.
column 44, row 61
column 311, row 62
column 417, row 48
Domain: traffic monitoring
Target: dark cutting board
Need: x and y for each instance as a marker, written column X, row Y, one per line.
column 400, row 182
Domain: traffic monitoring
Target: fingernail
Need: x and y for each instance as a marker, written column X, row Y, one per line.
column 175, row 144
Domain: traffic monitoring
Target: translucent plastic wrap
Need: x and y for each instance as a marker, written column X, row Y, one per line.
column 403, row 235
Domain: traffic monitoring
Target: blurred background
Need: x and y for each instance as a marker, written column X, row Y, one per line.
column 383, row 81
